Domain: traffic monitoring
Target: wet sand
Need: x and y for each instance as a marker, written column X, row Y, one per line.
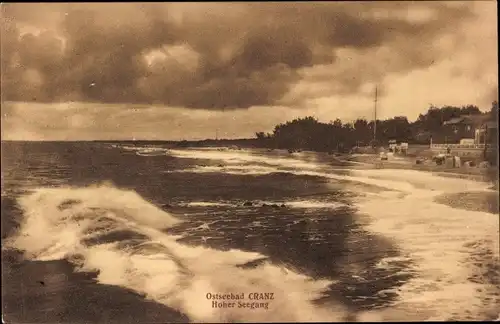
column 402, row 162
column 473, row 201
column 51, row 292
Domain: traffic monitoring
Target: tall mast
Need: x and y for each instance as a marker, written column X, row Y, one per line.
column 375, row 117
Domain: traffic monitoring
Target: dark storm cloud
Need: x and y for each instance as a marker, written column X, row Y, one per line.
column 245, row 54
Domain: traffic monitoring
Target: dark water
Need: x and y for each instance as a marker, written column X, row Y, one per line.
column 219, row 210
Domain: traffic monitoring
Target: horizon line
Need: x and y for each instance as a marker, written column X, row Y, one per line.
column 130, row 140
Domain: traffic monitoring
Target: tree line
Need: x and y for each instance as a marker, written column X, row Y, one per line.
column 310, row 134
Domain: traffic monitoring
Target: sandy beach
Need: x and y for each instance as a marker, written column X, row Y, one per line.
column 470, row 200
column 409, row 162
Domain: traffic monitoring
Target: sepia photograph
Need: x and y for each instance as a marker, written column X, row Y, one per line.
column 238, row 162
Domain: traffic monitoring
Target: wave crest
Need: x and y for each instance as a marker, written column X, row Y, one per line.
column 118, row 234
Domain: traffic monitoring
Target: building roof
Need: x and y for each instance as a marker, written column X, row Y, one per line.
column 476, row 120
column 456, row 120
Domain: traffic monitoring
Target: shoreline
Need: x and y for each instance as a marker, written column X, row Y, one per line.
column 480, row 201
column 373, row 160
column 395, row 162
column 476, row 201
column 409, row 163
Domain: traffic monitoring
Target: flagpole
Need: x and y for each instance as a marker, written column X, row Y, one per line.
column 375, row 117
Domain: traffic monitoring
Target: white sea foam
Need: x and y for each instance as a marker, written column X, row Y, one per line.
column 209, row 204
column 419, row 180
column 151, row 153
column 58, row 220
column 239, row 157
column 239, row 163
column 300, row 204
column 438, row 239
column 441, row 242
column 445, row 246
column 309, row 204
column 143, row 150
column 230, row 169
column 262, row 170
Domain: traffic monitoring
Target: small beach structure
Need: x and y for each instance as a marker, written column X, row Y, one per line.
column 469, row 136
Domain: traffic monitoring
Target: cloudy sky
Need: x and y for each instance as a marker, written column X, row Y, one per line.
column 183, row 70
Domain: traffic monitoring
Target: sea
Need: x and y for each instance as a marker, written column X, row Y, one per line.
column 97, row 232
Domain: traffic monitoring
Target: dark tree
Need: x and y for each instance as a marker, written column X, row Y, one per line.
column 309, row 133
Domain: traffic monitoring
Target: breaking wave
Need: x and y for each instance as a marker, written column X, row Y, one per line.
column 120, row 235
column 453, row 252
column 241, row 157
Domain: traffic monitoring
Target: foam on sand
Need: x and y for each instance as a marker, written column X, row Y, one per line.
column 449, row 247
